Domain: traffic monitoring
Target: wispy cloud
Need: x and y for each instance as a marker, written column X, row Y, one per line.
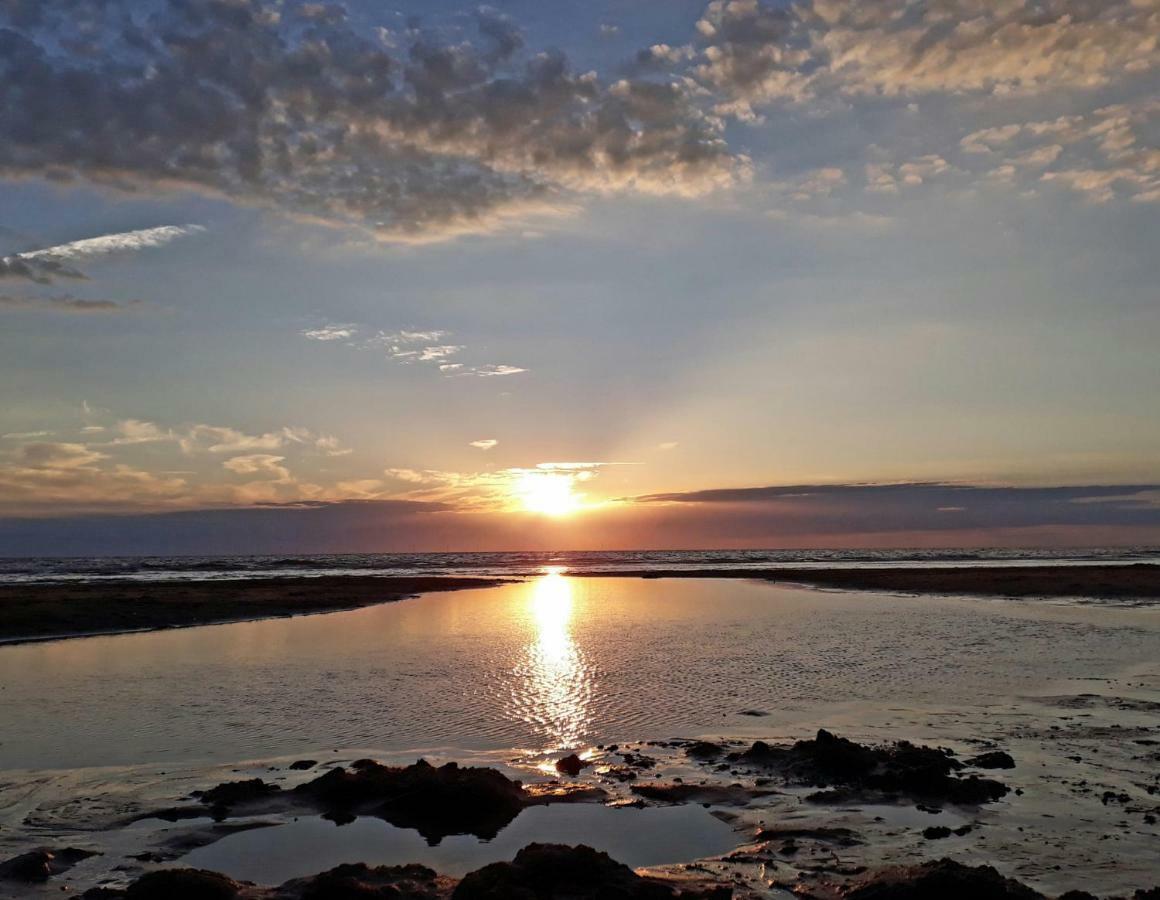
column 490, row 371
column 407, row 346
column 107, row 244
column 485, row 444
column 330, row 333
column 52, row 263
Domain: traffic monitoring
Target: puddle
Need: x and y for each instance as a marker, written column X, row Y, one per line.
column 636, row 837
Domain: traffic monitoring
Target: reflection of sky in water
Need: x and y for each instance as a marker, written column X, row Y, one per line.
column 553, row 685
column 537, row 665
column 636, row 837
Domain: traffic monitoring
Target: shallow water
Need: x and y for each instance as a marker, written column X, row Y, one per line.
column 550, row 664
column 637, row 837
column 510, row 677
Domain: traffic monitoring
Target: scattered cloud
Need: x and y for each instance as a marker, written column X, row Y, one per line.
column 330, row 333
column 485, row 444
column 756, row 52
column 137, row 464
column 490, row 371
column 415, row 133
column 410, row 346
column 262, row 464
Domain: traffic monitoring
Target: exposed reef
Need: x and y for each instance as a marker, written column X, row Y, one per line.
column 899, row 769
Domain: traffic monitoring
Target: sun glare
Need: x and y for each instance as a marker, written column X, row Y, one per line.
column 548, row 493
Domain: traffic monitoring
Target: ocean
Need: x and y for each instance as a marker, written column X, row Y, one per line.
column 180, row 568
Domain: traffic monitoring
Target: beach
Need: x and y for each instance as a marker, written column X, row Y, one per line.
column 713, row 773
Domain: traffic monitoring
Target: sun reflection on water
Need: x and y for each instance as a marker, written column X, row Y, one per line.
column 555, row 687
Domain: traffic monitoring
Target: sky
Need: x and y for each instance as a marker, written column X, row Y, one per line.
column 281, row 276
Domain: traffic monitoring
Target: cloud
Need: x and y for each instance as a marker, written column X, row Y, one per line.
column 330, row 333
column 51, row 455
column 51, row 263
column 40, row 271
column 408, row 346
column 428, row 354
column 136, row 431
column 133, row 464
column 108, row 244
column 490, row 371
column 916, row 507
column 66, row 303
column 810, row 516
column 485, row 444
column 756, row 52
column 263, row 464
column 416, row 134
column 1104, row 154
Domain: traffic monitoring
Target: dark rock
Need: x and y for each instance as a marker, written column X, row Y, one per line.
column 571, row 765
column 839, row 837
column 996, row 759
column 724, row 794
column 35, row 865
column 638, row 760
column 943, row 879
column 756, row 713
column 42, row 864
column 355, row 881
column 936, row 832
column 901, row 768
column 704, row 750
column 1077, row 895
column 301, row 765
column 183, row 884
column 555, row 872
column 434, row 801
column 234, row 793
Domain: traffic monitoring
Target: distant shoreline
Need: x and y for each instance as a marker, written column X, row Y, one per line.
column 55, row 611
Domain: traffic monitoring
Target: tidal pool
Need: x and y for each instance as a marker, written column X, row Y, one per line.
column 545, row 666
column 636, row 837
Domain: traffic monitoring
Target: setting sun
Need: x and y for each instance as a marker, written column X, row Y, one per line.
column 548, row 493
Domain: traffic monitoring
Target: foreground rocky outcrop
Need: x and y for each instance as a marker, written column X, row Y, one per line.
column 538, row 872
column 557, row 872
column 435, row 801
column 852, row 769
column 943, row 879
column 41, row 864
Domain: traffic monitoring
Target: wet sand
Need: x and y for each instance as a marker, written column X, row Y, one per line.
column 48, row 611
column 1140, row 581
column 33, row 612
